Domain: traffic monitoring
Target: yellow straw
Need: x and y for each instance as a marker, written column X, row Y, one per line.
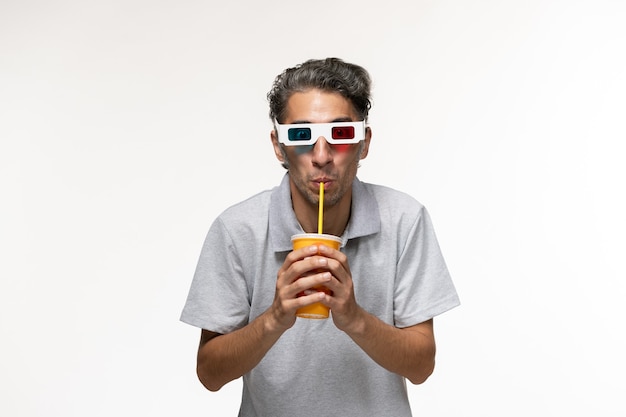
column 320, row 216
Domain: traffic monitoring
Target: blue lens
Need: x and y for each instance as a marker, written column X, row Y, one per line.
column 299, row 133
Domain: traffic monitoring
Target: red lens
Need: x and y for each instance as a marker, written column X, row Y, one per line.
column 343, row 132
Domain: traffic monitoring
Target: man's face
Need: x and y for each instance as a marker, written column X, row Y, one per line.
column 335, row 165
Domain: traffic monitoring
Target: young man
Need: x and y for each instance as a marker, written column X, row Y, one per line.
column 388, row 280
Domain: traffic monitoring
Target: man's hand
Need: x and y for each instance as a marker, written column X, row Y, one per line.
column 302, row 270
column 341, row 301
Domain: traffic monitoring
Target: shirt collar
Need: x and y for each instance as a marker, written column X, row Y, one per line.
column 364, row 219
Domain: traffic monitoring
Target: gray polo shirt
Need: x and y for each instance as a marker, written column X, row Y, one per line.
column 314, row 369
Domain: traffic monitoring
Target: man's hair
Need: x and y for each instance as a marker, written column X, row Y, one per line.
column 331, row 74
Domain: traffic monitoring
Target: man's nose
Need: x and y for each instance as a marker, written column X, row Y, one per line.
column 322, row 152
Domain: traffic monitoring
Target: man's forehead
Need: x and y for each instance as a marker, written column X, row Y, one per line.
column 317, row 106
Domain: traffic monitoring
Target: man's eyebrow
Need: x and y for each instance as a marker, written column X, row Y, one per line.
column 337, row 120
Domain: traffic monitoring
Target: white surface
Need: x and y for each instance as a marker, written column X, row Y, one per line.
column 506, row 118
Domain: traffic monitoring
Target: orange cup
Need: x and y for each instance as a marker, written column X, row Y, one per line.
column 316, row 310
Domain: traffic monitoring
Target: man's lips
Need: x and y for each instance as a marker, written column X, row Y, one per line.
column 326, row 182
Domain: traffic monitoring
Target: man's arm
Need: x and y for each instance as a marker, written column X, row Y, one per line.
column 225, row 357
column 409, row 352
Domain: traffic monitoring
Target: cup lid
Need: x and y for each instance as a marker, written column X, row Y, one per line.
column 317, row 235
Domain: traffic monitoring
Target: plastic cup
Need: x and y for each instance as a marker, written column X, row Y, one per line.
column 316, row 310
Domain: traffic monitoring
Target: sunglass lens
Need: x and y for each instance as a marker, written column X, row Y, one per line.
column 299, row 133
column 343, row 132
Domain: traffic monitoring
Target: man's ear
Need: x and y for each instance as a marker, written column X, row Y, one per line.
column 277, row 150
column 366, row 144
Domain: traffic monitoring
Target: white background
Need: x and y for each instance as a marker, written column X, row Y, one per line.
column 127, row 126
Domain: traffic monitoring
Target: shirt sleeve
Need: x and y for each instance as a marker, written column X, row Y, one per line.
column 424, row 288
column 218, row 299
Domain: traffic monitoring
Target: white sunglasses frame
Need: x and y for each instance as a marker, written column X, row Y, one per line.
column 320, row 130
